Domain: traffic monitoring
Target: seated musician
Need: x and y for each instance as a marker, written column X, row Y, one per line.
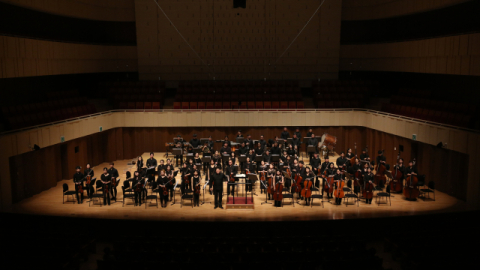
column 139, row 164
column 349, row 154
column 259, row 150
column 217, row 186
column 206, row 150
column 339, row 176
column 357, row 167
column 197, row 159
column 296, row 152
column 368, row 178
column 278, row 179
column 190, row 164
column 190, row 149
column 285, row 134
column 364, row 156
column 89, row 172
column 382, row 159
column 162, row 181
column 233, row 158
column 169, row 163
column 262, row 142
column 169, row 174
column 309, row 176
column 270, row 173
column 283, row 158
column 78, row 178
column 195, row 142
column 251, row 154
column 106, row 180
column 230, row 171
column 210, row 143
column 275, row 150
column 303, row 173
column 313, row 142
column 410, row 170
column 113, row 174
column 315, row 163
column 290, row 150
column 342, row 162
column 226, row 141
column 310, row 132
column 196, row 184
column 186, row 175
column 262, row 169
column 140, row 182
column 239, row 134
column 266, row 157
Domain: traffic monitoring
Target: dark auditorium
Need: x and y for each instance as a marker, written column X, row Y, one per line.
column 239, row 134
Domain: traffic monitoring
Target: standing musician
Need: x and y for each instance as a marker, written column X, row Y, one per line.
column 106, row 180
column 278, row 179
column 312, row 141
column 186, row 173
column 161, row 167
column 151, row 162
column 211, row 170
column 357, row 167
column 296, row 140
column 239, row 134
column 382, row 159
column 196, row 183
column 342, row 161
column 250, row 166
column 368, row 177
column 315, row 163
column 226, row 150
column 267, row 156
column 330, row 171
column 297, row 133
column 217, row 158
column 400, row 167
column 285, row 134
column 248, row 142
column 338, row 178
column 303, row 173
column 364, row 156
column 139, row 164
column 169, row 174
column 217, row 187
column 89, row 172
column 271, row 173
column 140, row 182
column 162, row 181
column 309, row 176
column 230, row 171
column 113, row 174
column 262, row 169
column 195, row 142
column 275, row 150
column 310, row 132
column 78, row 181
column 179, row 158
column 262, row 142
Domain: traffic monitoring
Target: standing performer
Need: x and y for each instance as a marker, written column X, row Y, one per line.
column 113, row 174
column 194, row 142
column 169, row 174
column 330, row 171
column 271, row 174
column 139, row 164
column 179, row 158
column 249, row 142
column 211, row 170
column 196, row 186
column 285, row 134
column 138, row 185
column 314, row 142
column 89, row 172
column 316, row 162
column 382, row 159
column 342, row 162
column 278, row 180
column 186, row 183
column 297, row 133
column 151, row 162
column 339, row 177
column 230, row 171
column 309, row 176
column 262, row 170
column 368, row 177
column 162, row 182
column 161, row 167
column 106, row 180
column 78, row 181
column 250, row 166
column 217, row 182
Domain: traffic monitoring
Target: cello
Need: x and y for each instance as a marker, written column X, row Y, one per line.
column 411, row 191
column 306, row 191
column 298, row 182
column 270, row 185
column 339, row 190
column 396, row 185
column 278, row 193
column 380, row 177
column 358, row 182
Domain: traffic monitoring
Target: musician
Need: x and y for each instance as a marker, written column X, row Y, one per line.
column 349, row 154
column 180, row 140
column 217, row 158
column 106, row 180
column 210, row 143
column 297, row 133
column 309, row 133
column 190, row 164
column 411, row 170
column 262, row 142
column 197, row 159
column 151, row 162
column 211, row 170
column 357, row 167
column 295, row 167
column 169, row 163
column 315, row 163
column 278, row 179
column 217, row 187
column 206, row 150
column 169, row 173
column 295, row 151
column 399, row 166
column 271, row 174
column 262, row 169
column 226, row 150
column 243, row 150
column 233, row 158
column 342, row 161
column 249, row 142
column 290, row 150
column 296, row 140
column 179, row 158
column 285, row 134
column 138, row 180
column 283, row 158
column 139, row 163
column 309, row 176
column 162, row 181
column 330, row 171
column 382, row 159
column 196, row 184
column 239, row 134
column 230, row 171
column 338, row 177
column 368, row 177
column 364, row 155
column 302, row 171
column 314, row 142
column 227, row 141
column 267, row 156
column 89, row 171
column 189, row 149
column 113, row 174
column 275, row 150
column 251, row 155
column 195, row 142
column 186, row 173
column 250, row 166
column 259, row 150
column 161, row 167
column 78, row 178
column 195, row 169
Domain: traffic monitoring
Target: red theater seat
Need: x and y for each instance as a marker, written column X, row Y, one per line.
column 148, row 105
column 259, row 105
column 139, row 105
column 201, row 105
column 292, row 105
column 226, row 105
column 283, row 104
column 218, row 105
column 156, row 105
column 131, row 105
column 177, row 105
column 193, row 105
column 267, row 104
column 251, row 105
column 275, row 105
column 185, row 105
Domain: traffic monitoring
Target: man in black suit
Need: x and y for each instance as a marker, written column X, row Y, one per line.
column 113, row 174
column 312, row 141
column 217, row 187
column 194, row 142
column 285, row 134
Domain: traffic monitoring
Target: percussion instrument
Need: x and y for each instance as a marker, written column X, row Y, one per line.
column 328, row 140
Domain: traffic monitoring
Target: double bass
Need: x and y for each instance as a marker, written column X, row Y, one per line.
column 358, row 179
column 380, row 177
column 270, row 184
column 396, row 185
column 411, row 191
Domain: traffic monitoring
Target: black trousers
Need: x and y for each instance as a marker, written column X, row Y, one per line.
column 78, row 192
column 170, row 190
column 278, row 203
column 89, row 191
column 218, row 194
column 338, row 201
column 138, row 198
column 230, row 189
column 248, row 185
column 369, row 201
column 178, row 158
column 196, row 199
column 329, row 195
column 106, row 195
column 113, row 191
column 163, row 197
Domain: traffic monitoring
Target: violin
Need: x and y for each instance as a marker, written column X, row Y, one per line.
column 306, row 191
column 411, row 191
column 339, row 190
column 289, row 172
column 232, row 179
column 186, row 179
column 114, row 181
column 89, row 178
column 80, row 188
column 139, row 186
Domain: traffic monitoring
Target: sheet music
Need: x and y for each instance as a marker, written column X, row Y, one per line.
column 240, row 175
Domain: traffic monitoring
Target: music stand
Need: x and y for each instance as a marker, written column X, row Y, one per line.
column 225, row 159
column 290, row 141
column 203, row 141
column 197, row 150
column 242, row 159
column 258, row 158
column 305, row 140
column 240, row 140
column 266, row 198
column 175, row 140
column 275, row 158
column 253, row 179
column 311, row 149
column 237, row 152
column 188, row 157
column 204, row 186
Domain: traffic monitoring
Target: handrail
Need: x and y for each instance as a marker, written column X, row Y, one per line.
column 242, row 110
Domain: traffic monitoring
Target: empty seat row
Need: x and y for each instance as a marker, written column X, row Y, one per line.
column 238, row 97
column 42, row 106
column 140, row 105
column 336, row 104
column 344, row 83
column 434, row 104
column 218, row 105
column 141, row 97
column 274, row 83
column 238, row 90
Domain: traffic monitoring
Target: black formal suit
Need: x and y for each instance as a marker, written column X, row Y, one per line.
column 229, row 171
column 78, row 179
column 217, row 183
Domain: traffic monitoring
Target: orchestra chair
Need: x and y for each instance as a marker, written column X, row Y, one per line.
column 353, row 196
column 187, row 196
column 67, row 193
column 348, row 188
column 98, row 196
column 317, row 196
column 127, row 195
column 385, row 195
column 430, row 189
column 152, row 196
column 288, row 195
column 126, row 187
column 98, row 186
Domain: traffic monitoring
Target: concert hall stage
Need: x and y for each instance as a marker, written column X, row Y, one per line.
column 49, row 202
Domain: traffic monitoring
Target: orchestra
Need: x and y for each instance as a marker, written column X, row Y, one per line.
column 290, row 174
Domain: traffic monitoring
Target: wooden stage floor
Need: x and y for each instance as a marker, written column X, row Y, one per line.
column 49, row 202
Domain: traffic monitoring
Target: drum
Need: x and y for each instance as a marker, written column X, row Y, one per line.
column 324, row 151
column 329, row 141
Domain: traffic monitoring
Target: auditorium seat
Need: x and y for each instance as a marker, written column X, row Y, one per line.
column 226, row 105
column 267, row 104
column 251, row 104
column 218, row 105
column 209, row 105
column 139, row 105
column 148, row 105
column 259, row 105
column 131, row 105
column 193, row 105
column 283, row 104
column 185, row 105
column 201, row 105
column 275, row 105
column 292, row 105
column 156, row 105
column 300, row 105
